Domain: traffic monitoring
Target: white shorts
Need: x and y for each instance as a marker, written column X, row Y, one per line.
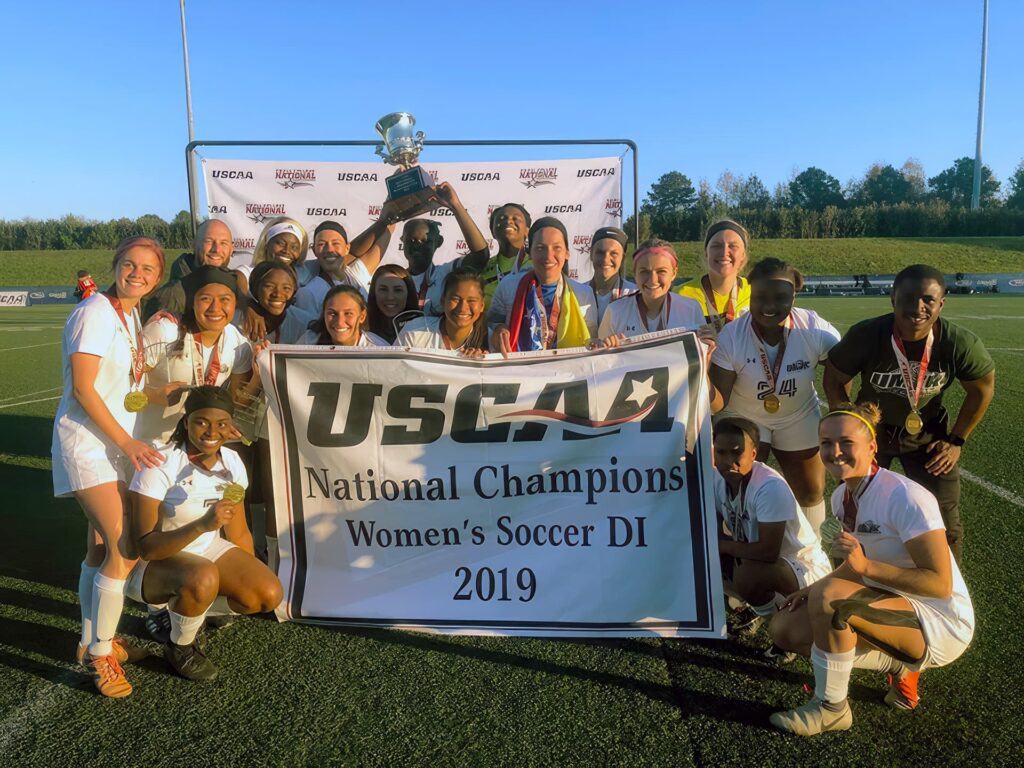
column 807, row 573
column 946, row 637
column 133, row 587
column 87, row 469
column 798, row 435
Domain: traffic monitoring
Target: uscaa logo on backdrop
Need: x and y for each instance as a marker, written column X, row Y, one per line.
column 290, row 178
column 536, row 177
column 482, row 176
column 225, row 174
column 215, row 209
column 584, row 173
column 260, row 212
column 326, row 212
column 563, row 208
column 348, row 176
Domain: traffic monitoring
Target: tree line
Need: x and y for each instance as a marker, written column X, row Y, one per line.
column 885, row 202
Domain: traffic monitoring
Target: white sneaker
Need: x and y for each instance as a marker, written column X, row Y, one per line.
column 812, row 718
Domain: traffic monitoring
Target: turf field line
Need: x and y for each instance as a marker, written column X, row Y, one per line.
column 30, row 346
column 29, row 402
column 29, row 394
column 992, row 488
column 19, row 328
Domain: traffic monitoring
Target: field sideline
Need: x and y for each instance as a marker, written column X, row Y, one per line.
column 293, row 695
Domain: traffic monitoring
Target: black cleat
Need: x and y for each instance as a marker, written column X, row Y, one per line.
column 189, row 661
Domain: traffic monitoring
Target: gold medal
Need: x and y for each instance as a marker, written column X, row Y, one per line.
column 830, row 528
column 135, row 401
column 913, row 423
column 772, row 404
column 234, row 493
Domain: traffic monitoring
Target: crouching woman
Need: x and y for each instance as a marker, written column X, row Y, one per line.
column 189, row 528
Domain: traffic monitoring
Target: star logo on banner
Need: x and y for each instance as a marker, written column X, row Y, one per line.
column 258, row 218
column 291, row 184
column 534, row 183
column 642, row 391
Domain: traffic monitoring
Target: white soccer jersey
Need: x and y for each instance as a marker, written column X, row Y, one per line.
column 166, row 363
column 293, row 327
column 505, row 294
column 623, row 316
column 808, row 343
column 621, row 288
column 768, row 499
column 890, row 512
column 186, row 491
column 310, row 298
column 433, row 303
column 93, row 328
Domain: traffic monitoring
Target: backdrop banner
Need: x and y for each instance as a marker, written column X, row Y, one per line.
column 585, row 194
column 550, row 494
column 13, row 298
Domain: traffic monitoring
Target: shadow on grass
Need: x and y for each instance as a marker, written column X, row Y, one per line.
column 26, row 435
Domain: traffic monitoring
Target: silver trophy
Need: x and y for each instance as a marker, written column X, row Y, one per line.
column 411, row 191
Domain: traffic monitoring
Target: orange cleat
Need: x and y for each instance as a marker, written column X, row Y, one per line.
column 108, row 677
column 902, row 692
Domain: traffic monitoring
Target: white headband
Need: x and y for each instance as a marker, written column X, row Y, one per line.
column 281, row 228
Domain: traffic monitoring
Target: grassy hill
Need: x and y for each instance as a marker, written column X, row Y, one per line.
column 873, row 255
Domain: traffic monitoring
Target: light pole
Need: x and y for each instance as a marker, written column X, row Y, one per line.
column 188, row 98
column 976, row 191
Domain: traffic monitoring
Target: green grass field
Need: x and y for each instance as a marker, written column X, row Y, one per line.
column 813, row 257
column 303, row 695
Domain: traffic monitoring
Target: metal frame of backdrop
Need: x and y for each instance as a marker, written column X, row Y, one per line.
column 193, row 189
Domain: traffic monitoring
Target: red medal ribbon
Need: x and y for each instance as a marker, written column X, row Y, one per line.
column 551, row 323
column 851, row 502
column 666, row 307
column 771, row 372
column 138, row 354
column 197, row 361
column 737, row 517
column 425, row 286
column 913, row 392
column 730, row 308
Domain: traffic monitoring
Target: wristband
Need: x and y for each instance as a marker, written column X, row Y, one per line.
column 956, row 440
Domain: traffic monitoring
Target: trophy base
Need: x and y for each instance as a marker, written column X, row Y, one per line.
column 411, row 193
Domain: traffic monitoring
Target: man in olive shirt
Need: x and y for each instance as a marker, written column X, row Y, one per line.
column 887, row 353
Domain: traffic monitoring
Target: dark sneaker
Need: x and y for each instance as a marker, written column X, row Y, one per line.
column 159, row 626
column 743, row 623
column 189, row 661
column 221, row 620
column 776, row 655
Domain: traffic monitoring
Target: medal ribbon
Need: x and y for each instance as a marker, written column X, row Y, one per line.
column 730, row 308
column 549, row 322
column 737, row 516
column 193, row 457
column 851, row 502
column 197, row 361
column 138, row 354
column 771, row 372
column 662, row 319
column 913, row 392
column 425, row 285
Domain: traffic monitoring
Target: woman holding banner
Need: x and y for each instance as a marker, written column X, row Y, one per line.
column 763, row 370
column 653, row 308
column 342, row 321
column 722, row 294
column 204, row 348
column 896, row 604
column 392, row 301
column 462, row 327
column 542, row 308
column 608, row 256
column 179, row 510
column 94, row 448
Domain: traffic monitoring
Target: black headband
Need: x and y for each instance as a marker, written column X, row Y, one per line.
column 548, row 221
column 609, row 233
column 333, row 226
column 729, row 224
column 207, row 275
column 208, row 396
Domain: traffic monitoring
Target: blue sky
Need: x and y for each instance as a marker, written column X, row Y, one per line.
column 95, row 117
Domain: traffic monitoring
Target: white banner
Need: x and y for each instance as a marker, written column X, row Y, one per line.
column 550, row 494
column 13, row 298
column 584, row 194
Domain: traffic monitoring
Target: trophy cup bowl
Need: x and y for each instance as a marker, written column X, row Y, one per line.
column 411, row 191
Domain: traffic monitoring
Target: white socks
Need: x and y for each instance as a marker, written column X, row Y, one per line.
column 815, row 515
column 107, row 604
column 272, row 557
column 831, row 674
column 85, row 580
column 220, row 607
column 768, row 609
column 184, row 628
